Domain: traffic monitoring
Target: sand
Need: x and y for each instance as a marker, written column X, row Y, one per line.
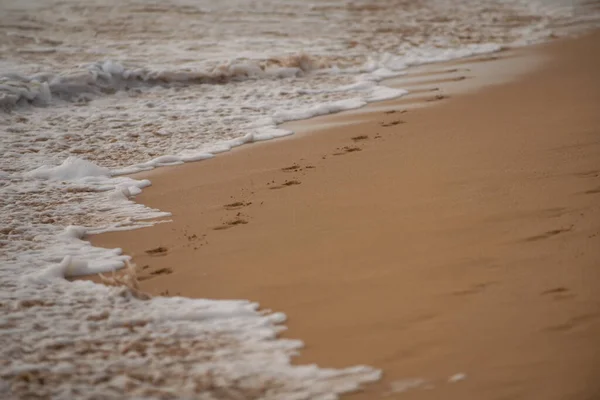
column 461, row 238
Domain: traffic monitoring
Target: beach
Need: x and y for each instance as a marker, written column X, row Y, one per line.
column 454, row 246
column 297, row 200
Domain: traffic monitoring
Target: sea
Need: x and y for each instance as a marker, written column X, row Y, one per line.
column 92, row 91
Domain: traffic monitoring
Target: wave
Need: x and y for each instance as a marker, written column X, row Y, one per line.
column 102, row 78
column 107, row 77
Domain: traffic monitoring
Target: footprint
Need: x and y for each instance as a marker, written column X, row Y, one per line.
column 292, row 168
column 231, row 224
column 286, row 183
column 556, row 290
column 396, row 122
column 572, row 323
column 548, row 234
column 154, row 274
column 593, row 191
column 437, row 98
column 480, row 287
column 296, row 168
column 395, row 111
column 236, row 205
column 162, row 271
column 558, row 293
column 360, row 137
column 346, row 150
column 157, row 251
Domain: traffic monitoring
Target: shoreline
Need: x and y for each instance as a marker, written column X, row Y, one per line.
column 448, row 78
column 469, row 218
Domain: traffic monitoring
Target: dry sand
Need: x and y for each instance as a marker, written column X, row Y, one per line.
column 459, row 238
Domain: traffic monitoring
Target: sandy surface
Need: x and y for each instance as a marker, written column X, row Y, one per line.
column 458, row 238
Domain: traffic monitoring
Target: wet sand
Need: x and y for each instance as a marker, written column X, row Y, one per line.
column 458, row 238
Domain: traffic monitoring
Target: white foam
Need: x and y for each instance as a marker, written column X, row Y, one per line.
column 429, row 54
column 313, row 111
column 385, row 93
column 193, row 341
column 72, row 169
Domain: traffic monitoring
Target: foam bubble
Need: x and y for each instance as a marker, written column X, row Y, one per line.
column 72, row 169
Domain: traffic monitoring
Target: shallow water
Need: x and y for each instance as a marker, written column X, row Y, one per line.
column 92, row 90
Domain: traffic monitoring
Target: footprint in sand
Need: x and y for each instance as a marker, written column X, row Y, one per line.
column 395, row 111
column 297, row 168
column 191, row 237
column 196, row 241
column 286, row 183
column 236, row 205
column 162, row 271
column 590, row 174
column 346, row 150
column 360, row 138
column 548, row 234
column 555, row 290
column 157, row 251
column 154, row 274
column 396, row 122
column 572, row 323
column 292, row 168
column 478, row 288
column 558, row 293
column 231, row 224
column 438, row 98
